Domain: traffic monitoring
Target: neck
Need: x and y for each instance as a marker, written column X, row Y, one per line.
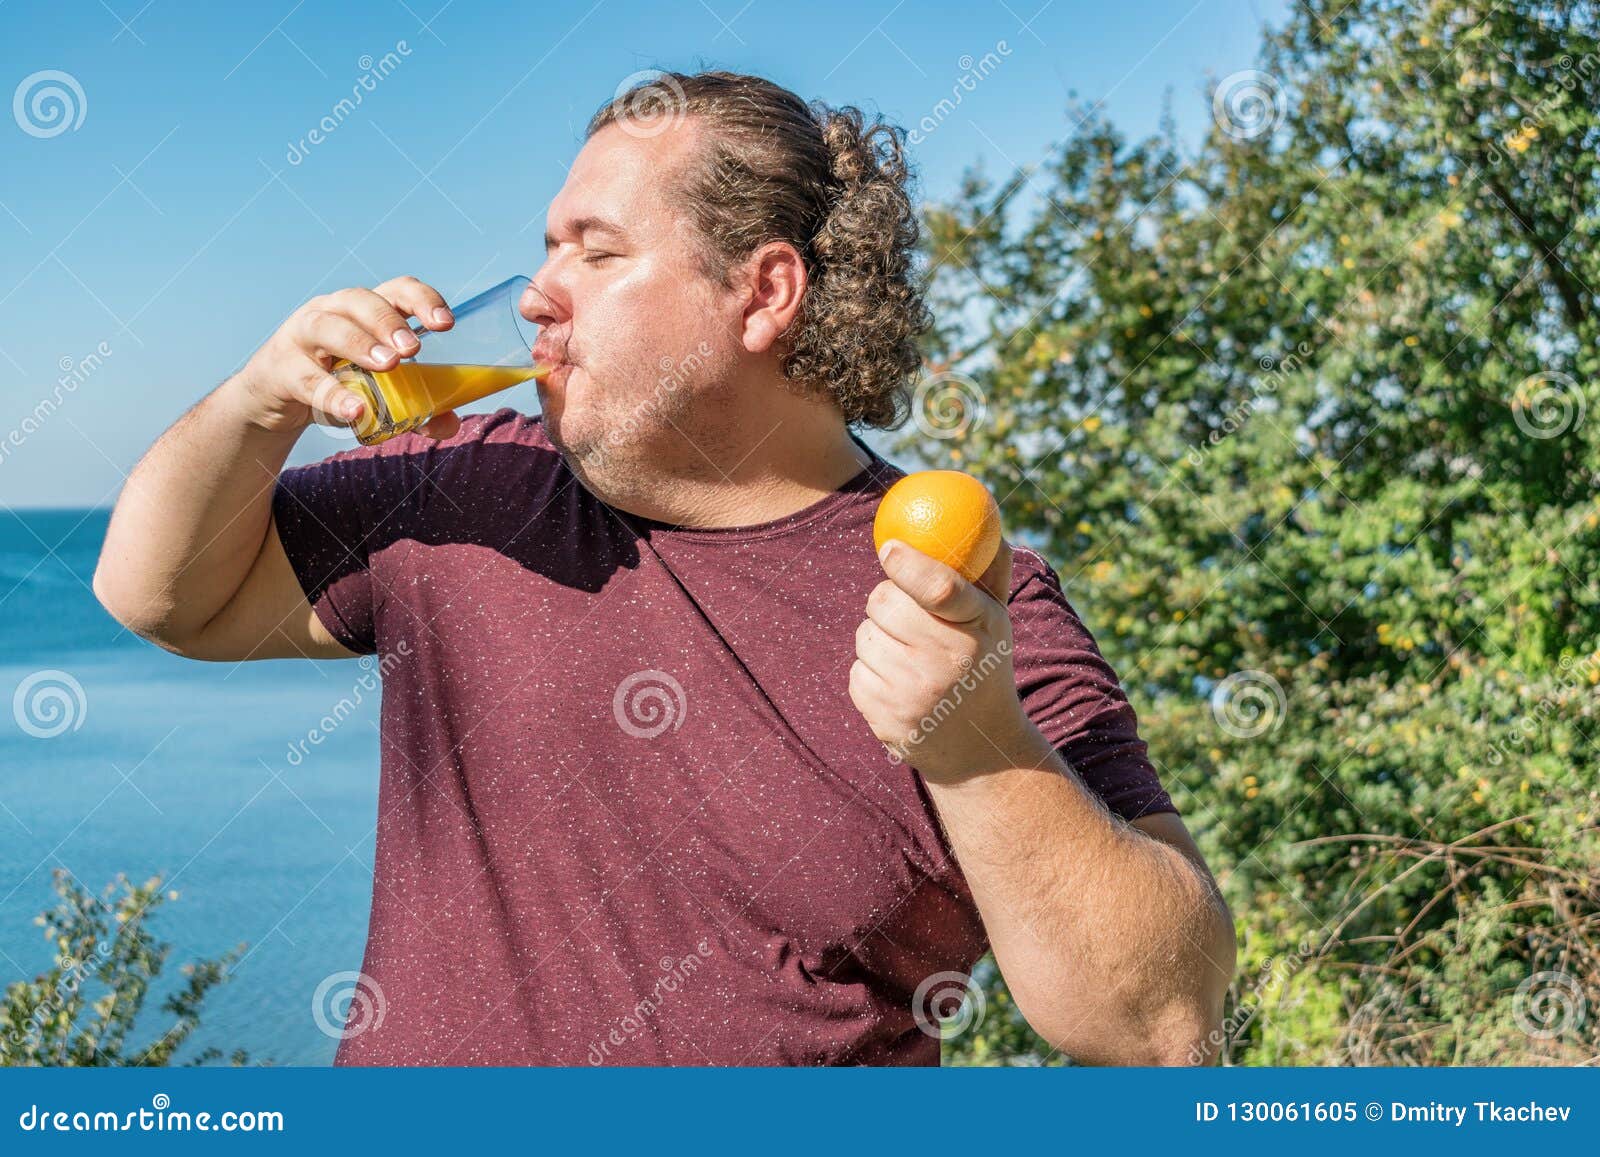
column 734, row 469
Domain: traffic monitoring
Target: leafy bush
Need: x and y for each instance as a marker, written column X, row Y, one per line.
column 1309, row 423
column 105, row 950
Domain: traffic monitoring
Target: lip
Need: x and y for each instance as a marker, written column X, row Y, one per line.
column 558, row 375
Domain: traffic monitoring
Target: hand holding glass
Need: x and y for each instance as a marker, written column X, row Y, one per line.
column 490, row 348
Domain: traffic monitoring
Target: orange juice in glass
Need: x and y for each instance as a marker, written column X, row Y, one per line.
column 489, row 349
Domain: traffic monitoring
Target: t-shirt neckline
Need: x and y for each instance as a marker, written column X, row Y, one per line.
column 863, row 481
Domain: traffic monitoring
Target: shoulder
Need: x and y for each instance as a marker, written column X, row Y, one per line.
column 1033, row 578
column 406, row 484
column 409, row 453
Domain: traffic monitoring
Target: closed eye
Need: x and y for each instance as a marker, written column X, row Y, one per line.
column 596, row 258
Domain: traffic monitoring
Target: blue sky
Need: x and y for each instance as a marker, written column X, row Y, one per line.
column 150, row 241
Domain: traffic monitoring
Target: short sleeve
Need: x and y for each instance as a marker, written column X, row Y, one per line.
column 328, row 516
column 1073, row 696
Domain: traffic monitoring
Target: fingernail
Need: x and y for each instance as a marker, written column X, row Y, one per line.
column 441, row 316
column 888, row 548
column 352, row 408
column 381, row 353
column 403, row 339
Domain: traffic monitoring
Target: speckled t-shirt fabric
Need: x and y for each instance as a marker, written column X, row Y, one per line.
column 627, row 813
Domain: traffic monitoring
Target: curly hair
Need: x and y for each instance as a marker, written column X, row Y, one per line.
column 828, row 182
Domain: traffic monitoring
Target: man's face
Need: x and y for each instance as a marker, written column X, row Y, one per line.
column 639, row 333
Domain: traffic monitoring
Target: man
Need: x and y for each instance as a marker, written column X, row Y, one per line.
column 647, row 684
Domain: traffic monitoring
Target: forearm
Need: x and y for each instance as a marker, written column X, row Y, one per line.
column 191, row 519
column 1116, row 946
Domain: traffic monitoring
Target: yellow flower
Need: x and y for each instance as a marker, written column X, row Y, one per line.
column 1091, row 424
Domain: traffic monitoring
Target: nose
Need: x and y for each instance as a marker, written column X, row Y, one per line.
column 537, row 306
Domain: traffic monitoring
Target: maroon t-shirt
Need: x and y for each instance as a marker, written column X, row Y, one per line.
column 628, row 813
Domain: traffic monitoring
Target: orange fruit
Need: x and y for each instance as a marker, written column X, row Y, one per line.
column 947, row 515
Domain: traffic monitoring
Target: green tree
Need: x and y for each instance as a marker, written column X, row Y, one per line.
column 1308, row 421
column 82, row 1010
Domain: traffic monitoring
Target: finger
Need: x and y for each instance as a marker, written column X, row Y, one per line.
column 331, row 336
column 442, row 426
column 867, row 687
column 419, row 300
column 325, row 394
column 379, row 317
column 997, row 579
column 896, row 613
column 883, row 656
column 937, row 588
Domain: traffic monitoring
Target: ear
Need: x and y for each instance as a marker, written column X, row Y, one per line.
column 777, row 282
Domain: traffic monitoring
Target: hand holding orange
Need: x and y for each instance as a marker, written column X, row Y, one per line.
column 946, row 514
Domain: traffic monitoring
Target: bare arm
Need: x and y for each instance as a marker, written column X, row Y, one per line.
column 192, row 560
column 1113, row 937
column 1114, row 940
